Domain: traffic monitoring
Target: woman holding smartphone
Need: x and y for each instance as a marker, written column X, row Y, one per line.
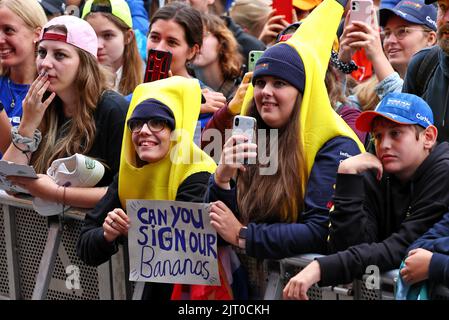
column 280, row 209
column 178, row 28
column 390, row 50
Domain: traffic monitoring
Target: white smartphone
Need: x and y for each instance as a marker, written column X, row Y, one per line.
column 361, row 11
column 245, row 126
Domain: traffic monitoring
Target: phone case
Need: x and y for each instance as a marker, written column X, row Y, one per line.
column 245, row 126
column 361, row 11
column 254, row 55
column 158, row 65
column 284, row 7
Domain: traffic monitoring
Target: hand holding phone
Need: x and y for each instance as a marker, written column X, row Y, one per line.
column 158, row 65
column 361, row 11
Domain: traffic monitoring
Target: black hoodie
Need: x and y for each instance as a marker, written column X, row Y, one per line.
column 375, row 221
column 436, row 93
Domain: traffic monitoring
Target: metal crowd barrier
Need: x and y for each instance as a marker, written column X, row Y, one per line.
column 38, row 261
column 281, row 271
column 38, row 257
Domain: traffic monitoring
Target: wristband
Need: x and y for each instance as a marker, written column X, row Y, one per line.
column 344, row 67
column 31, row 144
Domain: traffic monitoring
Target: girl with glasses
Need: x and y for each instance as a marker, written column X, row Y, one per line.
column 149, row 169
column 390, row 50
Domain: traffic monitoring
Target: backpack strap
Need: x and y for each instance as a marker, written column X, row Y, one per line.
column 426, row 70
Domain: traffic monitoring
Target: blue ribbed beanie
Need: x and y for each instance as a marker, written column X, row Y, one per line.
column 281, row 61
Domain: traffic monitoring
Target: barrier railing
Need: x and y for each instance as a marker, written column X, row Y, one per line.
column 38, row 261
column 278, row 277
column 38, row 257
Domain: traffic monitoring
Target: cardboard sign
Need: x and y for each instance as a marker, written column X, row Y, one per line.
column 172, row 242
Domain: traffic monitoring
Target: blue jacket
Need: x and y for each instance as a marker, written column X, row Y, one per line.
column 141, row 25
column 437, row 241
column 309, row 234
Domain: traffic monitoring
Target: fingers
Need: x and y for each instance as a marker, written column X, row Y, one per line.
column 118, row 220
column 294, row 16
column 375, row 23
column 412, row 252
column 247, row 77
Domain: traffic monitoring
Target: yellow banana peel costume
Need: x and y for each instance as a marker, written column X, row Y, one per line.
column 313, row 42
column 160, row 180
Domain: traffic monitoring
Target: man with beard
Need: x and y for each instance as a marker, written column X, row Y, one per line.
column 428, row 73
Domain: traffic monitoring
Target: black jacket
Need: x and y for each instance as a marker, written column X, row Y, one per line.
column 378, row 220
column 437, row 241
column 436, row 94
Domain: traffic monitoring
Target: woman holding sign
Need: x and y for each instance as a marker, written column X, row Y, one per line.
column 284, row 212
column 156, row 164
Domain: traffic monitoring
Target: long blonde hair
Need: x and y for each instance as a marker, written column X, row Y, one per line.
column 76, row 135
column 278, row 197
column 132, row 73
column 32, row 14
column 366, row 94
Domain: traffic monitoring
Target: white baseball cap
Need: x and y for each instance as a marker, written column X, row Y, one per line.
column 75, row 171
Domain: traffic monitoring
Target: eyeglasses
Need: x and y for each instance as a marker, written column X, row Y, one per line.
column 155, row 125
column 400, row 33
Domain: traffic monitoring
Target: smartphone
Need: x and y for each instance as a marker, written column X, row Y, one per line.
column 361, row 11
column 253, row 56
column 245, row 126
column 158, row 65
column 284, row 7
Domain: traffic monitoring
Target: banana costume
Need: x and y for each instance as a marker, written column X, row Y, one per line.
column 313, row 42
column 160, row 180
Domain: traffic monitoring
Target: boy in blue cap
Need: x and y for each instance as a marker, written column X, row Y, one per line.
column 383, row 203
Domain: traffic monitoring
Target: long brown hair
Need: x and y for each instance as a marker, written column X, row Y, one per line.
column 278, row 197
column 132, row 72
column 229, row 56
column 76, row 135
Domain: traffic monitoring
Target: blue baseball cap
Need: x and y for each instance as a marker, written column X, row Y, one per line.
column 388, row 4
column 413, row 11
column 402, row 108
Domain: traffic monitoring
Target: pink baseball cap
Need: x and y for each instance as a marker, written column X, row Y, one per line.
column 79, row 33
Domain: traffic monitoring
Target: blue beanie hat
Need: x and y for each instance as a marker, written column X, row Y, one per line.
column 281, row 61
column 152, row 108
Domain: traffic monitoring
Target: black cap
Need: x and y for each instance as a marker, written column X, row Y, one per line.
column 53, row 6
